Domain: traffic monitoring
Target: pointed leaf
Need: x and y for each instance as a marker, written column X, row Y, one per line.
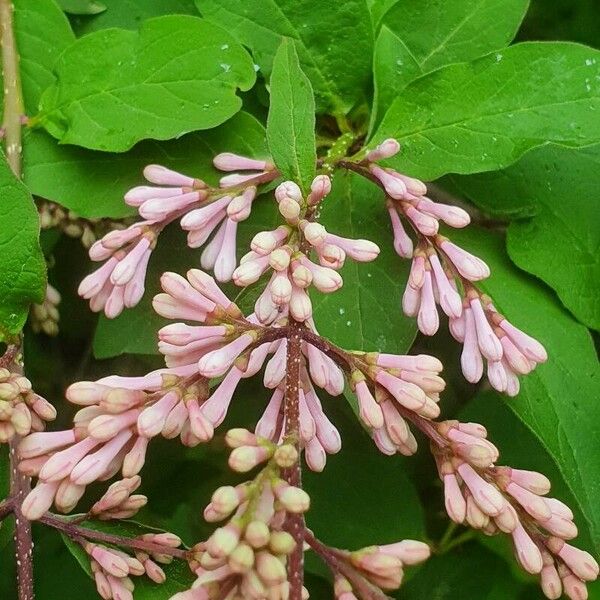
column 291, row 122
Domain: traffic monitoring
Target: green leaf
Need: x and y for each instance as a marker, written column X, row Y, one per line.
column 22, row 265
column 116, row 87
column 82, row 7
column 134, row 331
column 559, row 400
column 469, row 572
column 333, row 38
column 129, row 14
column 439, row 33
column 559, row 244
column 394, row 67
column 365, row 314
column 42, row 32
column 179, row 576
column 291, row 122
column 92, row 183
column 378, row 8
column 482, row 116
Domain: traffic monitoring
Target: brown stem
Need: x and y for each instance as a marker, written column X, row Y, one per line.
column 335, row 562
column 20, row 485
column 77, row 532
column 13, row 97
column 293, row 475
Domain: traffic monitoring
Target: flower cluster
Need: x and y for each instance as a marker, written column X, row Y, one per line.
column 119, row 283
column 389, row 386
column 21, row 409
column 382, row 566
column 285, row 251
column 248, row 555
column 502, row 499
column 444, row 273
column 112, row 568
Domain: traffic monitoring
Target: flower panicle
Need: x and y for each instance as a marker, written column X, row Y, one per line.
column 442, row 273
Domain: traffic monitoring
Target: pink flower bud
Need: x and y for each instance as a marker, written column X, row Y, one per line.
column 61, row 464
column 425, row 224
column 394, row 187
column 152, row 419
column 314, row 233
column 489, row 499
column 267, row 424
column 300, row 304
column 37, row 444
column 293, row 499
column 402, row 242
column 471, row 360
column 582, row 563
column 265, row 242
column 449, row 299
column 529, row 346
column 428, row 318
column 223, row 541
column 288, row 189
column 370, row 411
column 227, row 161
column 290, row 210
column 386, row 149
column 319, row 188
column 456, row 507
column 528, row 553
column 488, row 341
column 217, row 362
column 163, row 176
column 410, row 552
column 451, row 215
column 469, row 266
column 39, row 500
column 531, row 480
column 138, row 195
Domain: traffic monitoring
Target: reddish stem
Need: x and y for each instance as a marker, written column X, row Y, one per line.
column 77, row 532
column 338, row 565
column 293, row 475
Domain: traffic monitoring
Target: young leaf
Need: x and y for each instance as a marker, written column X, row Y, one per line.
column 559, row 244
column 116, row 87
column 92, row 183
column 482, row 116
column 82, row 7
column 360, row 316
column 439, row 33
column 559, row 400
column 291, row 122
column 334, row 41
column 22, row 265
column 42, row 32
column 129, row 14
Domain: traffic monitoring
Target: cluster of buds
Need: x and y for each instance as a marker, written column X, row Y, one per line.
column 21, row 409
column 87, row 230
column 119, row 501
column 44, row 317
column 248, row 555
column 390, row 385
column 444, row 273
column 119, row 283
column 285, row 252
column 383, row 566
column 502, row 499
column 230, row 345
column 112, row 568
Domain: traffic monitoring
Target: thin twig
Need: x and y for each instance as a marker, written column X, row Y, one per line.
column 13, row 114
column 334, row 560
column 75, row 531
